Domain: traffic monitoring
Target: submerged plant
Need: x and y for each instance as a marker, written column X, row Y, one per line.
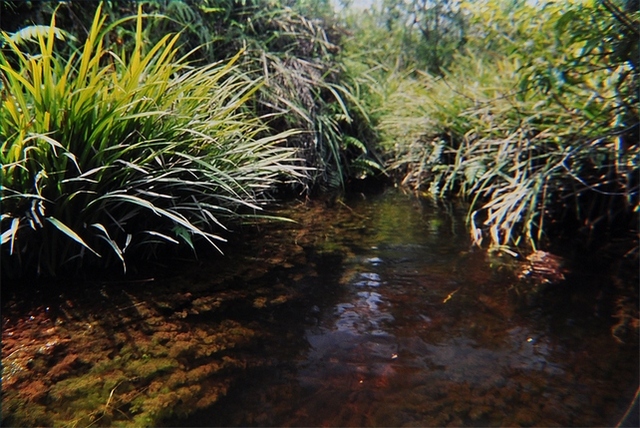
column 104, row 153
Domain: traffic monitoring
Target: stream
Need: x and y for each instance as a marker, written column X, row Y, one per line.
column 372, row 310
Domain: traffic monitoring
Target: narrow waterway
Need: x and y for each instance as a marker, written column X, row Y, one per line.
column 412, row 327
column 373, row 311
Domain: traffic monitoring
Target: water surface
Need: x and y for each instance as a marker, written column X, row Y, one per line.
column 405, row 324
column 369, row 311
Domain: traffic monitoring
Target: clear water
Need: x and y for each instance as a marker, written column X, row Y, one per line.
column 405, row 324
column 373, row 311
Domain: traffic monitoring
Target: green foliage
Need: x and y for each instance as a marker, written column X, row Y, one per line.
column 432, row 30
column 297, row 56
column 535, row 123
column 305, row 80
column 105, row 153
column 293, row 42
column 32, row 32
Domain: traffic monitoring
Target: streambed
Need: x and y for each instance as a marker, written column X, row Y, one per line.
column 369, row 311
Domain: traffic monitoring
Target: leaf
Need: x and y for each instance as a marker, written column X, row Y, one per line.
column 206, row 9
column 112, row 244
column 70, row 233
column 161, row 235
column 474, row 170
column 563, row 21
column 11, row 234
column 33, row 32
column 176, row 218
column 183, row 232
column 350, row 141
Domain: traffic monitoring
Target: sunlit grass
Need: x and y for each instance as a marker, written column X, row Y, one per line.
column 304, row 81
column 106, row 153
column 520, row 158
column 532, row 123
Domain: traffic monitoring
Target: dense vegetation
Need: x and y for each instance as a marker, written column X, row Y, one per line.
column 128, row 125
column 529, row 111
column 176, row 118
column 137, row 138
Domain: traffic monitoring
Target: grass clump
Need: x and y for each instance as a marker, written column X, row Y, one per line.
column 108, row 153
column 308, row 87
column 535, row 122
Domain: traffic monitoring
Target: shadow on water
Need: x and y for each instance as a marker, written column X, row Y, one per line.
column 375, row 311
column 409, row 326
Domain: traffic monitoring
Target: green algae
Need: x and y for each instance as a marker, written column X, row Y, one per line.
column 133, row 369
column 148, row 368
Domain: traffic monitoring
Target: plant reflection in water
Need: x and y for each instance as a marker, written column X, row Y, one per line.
column 412, row 328
column 376, row 312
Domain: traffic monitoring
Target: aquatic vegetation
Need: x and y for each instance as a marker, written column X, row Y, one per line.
column 134, row 367
column 366, row 309
column 139, row 355
column 105, row 154
column 534, row 121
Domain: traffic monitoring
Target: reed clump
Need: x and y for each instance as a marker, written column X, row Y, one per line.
column 535, row 123
column 108, row 152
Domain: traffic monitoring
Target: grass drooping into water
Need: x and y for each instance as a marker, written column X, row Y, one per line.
column 106, row 153
column 535, row 122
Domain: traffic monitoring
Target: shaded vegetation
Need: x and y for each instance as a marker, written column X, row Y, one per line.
column 528, row 111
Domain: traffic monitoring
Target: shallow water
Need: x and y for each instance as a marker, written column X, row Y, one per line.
column 375, row 311
column 411, row 327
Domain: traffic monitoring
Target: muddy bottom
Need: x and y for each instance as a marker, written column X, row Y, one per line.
column 375, row 311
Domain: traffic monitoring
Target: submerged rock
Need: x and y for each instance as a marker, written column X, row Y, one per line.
column 543, row 268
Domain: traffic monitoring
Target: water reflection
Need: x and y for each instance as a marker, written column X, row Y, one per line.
column 363, row 353
column 410, row 327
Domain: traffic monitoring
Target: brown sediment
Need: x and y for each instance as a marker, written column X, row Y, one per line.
column 454, row 349
column 120, row 356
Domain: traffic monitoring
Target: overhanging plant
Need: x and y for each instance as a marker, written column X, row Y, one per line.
column 104, row 153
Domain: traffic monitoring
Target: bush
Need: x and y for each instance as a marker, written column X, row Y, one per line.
column 536, row 123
